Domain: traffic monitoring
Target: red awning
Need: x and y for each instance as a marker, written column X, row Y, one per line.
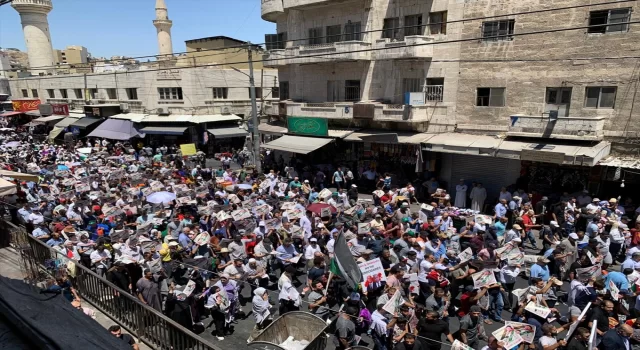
column 10, row 114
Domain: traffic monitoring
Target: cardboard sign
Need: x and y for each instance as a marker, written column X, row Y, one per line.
column 240, row 214
column 188, row 149
column 364, row 227
column 483, row 278
column 373, row 274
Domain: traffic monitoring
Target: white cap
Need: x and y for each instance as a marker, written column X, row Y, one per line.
column 262, row 223
column 173, row 244
column 354, row 185
column 554, row 224
column 313, row 240
column 574, row 235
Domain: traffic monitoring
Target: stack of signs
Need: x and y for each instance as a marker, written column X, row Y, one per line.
column 515, row 259
column 536, row 309
column 294, row 214
column 483, row 278
column 373, row 274
column 508, row 336
column 296, row 232
column 325, row 193
column 524, row 330
column 466, row 255
column 586, row 273
column 240, row 214
column 364, row 227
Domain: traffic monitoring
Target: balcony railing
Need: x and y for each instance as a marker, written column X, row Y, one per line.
column 352, row 93
column 433, row 93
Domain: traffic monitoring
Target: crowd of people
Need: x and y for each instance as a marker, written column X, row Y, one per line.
column 188, row 240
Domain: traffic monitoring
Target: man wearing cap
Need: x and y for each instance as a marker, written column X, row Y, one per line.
column 311, row 249
column 471, row 329
column 571, row 250
column 540, row 269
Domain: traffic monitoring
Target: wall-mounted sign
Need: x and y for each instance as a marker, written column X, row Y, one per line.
column 542, row 156
column 60, row 109
column 26, row 105
column 168, row 74
column 308, row 126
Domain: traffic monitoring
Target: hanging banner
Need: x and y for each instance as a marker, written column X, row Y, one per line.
column 26, row 105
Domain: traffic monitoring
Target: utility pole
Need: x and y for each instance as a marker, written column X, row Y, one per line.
column 254, row 115
column 86, row 90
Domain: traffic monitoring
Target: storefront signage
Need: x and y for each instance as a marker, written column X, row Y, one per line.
column 308, row 126
column 168, row 74
column 60, row 109
column 26, row 105
column 542, row 156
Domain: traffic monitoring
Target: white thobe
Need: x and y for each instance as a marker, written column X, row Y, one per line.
column 461, row 196
column 478, row 196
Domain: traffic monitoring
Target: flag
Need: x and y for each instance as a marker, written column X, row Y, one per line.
column 344, row 265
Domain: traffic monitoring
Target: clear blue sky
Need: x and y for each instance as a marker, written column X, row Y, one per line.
column 124, row 27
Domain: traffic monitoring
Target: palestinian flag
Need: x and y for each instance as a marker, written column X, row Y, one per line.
column 344, row 265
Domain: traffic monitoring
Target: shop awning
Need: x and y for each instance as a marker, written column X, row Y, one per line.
column 222, row 133
column 379, row 136
column 621, row 162
column 51, row 118
column 340, row 133
column 7, row 188
column 54, row 133
column 164, row 130
column 272, row 129
column 66, row 122
column 211, row 118
column 462, row 144
column 20, row 176
column 9, row 114
column 297, row 144
column 86, row 122
column 134, row 117
column 116, row 129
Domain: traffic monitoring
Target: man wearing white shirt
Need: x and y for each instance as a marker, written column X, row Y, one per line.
column 100, row 259
column 311, row 249
column 305, row 223
column 36, row 217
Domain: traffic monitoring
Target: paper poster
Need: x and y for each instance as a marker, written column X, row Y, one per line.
column 508, row 337
column 364, row 227
column 265, row 184
column 188, row 149
column 373, row 274
column 296, row 232
column 539, row 310
column 295, row 259
column 294, row 214
column 586, row 273
column 202, row 238
column 248, row 203
column 183, row 200
column 615, row 292
column 458, row 345
column 147, row 191
column 271, row 224
column 483, row 278
column 155, row 265
column 287, row 206
column 68, row 182
column 222, row 215
column 240, row 214
column 378, row 193
column 394, row 303
column 325, row 193
column 515, row 259
column 62, row 173
column 521, row 294
column 414, row 284
column 81, row 187
column 325, row 212
column 262, row 209
column 525, row 330
column 188, row 290
column 466, row 255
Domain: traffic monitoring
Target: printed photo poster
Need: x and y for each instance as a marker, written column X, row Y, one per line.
column 458, row 345
column 282, row 186
column 515, row 259
column 378, row 193
column 82, row 187
column 524, row 330
column 539, row 310
column 222, row 215
column 364, row 227
column 325, row 212
column 508, row 336
column 262, row 209
column 240, row 214
column 294, row 214
column 264, row 185
column 521, row 294
column 613, row 289
column 147, row 191
column 272, row 224
column 287, row 206
column 183, row 200
column 248, row 203
column 483, row 278
column 202, row 238
column 466, row 255
column 190, row 287
column 372, row 274
column 414, row 284
column 325, row 193
column 585, row 273
column 394, row 303
column 296, row 232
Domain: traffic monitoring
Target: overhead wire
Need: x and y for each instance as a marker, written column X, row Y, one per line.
column 553, row 9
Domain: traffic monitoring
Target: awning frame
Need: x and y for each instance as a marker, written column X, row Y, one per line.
column 290, row 143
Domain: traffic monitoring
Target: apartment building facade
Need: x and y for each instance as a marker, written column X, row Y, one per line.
column 192, row 91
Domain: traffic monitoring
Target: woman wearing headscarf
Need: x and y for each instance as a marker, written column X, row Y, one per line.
column 261, row 311
column 231, row 288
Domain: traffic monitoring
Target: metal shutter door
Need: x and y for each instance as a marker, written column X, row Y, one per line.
column 492, row 172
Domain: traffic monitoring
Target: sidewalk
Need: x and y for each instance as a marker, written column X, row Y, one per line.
column 10, row 267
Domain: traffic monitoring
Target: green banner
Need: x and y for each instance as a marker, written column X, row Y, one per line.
column 308, row 126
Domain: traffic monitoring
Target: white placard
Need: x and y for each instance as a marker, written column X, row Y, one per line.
column 483, row 278
column 373, row 274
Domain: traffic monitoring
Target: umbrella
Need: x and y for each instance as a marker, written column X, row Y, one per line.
column 244, row 186
column 62, row 167
column 12, row 144
column 161, row 197
column 317, row 208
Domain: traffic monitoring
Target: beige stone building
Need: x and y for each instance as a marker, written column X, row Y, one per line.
column 71, row 55
column 220, row 50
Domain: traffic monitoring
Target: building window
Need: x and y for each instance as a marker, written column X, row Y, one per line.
column 132, row 93
column 275, row 92
column 284, row 90
column 490, row 97
column 600, row 97
column 170, row 93
column 51, row 93
column 78, row 93
column 112, row 94
column 412, row 85
column 438, row 23
column 275, row 41
column 220, row 93
column 434, row 91
column 63, row 93
column 258, row 92
column 333, row 91
column 605, row 21
column 93, row 94
column 25, row 93
column 413, row 25
column 352, row 31
column 391, row 28
column 352, row 90
column 498, row 30
column 315, row 36
column 333, row 34
column 34, row 93
column 558, row 95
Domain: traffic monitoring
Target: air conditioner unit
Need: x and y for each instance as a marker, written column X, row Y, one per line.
column 95, row 102
column 124, row 107
column 163, row 111
column 225, row 109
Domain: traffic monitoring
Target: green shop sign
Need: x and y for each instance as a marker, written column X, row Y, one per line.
column 308, row 126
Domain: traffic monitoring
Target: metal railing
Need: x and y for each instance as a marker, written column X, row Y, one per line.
column 352, row 93
column 147, row 324
column 433, row 93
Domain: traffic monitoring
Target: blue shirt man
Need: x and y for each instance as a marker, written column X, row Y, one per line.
column 184, row 240
column 592, row 229
column 287, row 251
column 619, row 279
column 540, row 269
column 55, row 241
column 500, row 228
column 501, row 209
